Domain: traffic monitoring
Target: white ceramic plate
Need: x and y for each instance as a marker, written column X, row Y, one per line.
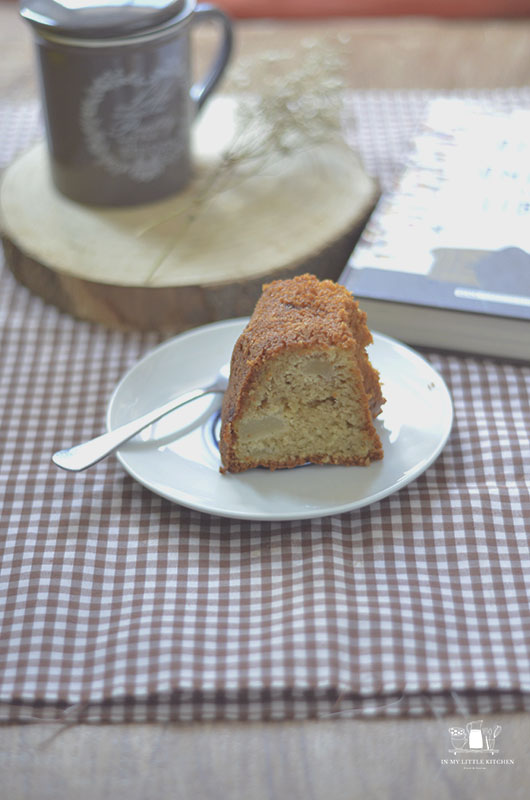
column 178, row 457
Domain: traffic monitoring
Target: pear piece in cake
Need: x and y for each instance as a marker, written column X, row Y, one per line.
column 301, row 386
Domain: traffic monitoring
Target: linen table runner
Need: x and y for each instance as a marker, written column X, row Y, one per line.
column 119, row 605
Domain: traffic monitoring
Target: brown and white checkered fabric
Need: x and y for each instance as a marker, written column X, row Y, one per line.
column 118, row 605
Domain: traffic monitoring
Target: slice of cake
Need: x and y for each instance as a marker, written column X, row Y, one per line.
column 301, row 386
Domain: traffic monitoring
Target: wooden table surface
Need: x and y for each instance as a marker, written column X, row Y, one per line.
column 377, row 53
column 341, row 758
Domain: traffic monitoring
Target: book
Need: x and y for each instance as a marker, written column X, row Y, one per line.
column 444, row 260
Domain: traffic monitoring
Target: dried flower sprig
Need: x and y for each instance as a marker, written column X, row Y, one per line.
column 299, row 106
column 296, row 107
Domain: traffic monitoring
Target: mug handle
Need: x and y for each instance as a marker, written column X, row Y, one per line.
column 200, row 91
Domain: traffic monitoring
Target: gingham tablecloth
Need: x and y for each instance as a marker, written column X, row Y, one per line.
column 118, row 605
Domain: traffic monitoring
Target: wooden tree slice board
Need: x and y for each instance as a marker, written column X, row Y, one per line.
column 196, row 257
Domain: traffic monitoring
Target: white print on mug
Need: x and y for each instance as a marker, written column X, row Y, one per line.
column 138, row 132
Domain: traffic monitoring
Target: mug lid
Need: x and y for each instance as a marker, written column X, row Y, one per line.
column 98, row 18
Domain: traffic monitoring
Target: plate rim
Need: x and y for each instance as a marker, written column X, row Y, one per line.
column 313, row 513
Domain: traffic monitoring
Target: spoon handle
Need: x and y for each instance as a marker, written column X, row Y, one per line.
column 84, row 455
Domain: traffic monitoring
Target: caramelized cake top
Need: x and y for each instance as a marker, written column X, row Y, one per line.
column 303, row 311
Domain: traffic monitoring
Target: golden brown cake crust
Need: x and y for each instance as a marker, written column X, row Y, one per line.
column 303, row 310
column 302, row 313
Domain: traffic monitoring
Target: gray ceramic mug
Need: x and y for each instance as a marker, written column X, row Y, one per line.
column 117, row 93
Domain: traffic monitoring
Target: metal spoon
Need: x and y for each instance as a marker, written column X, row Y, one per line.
column 82, row 456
